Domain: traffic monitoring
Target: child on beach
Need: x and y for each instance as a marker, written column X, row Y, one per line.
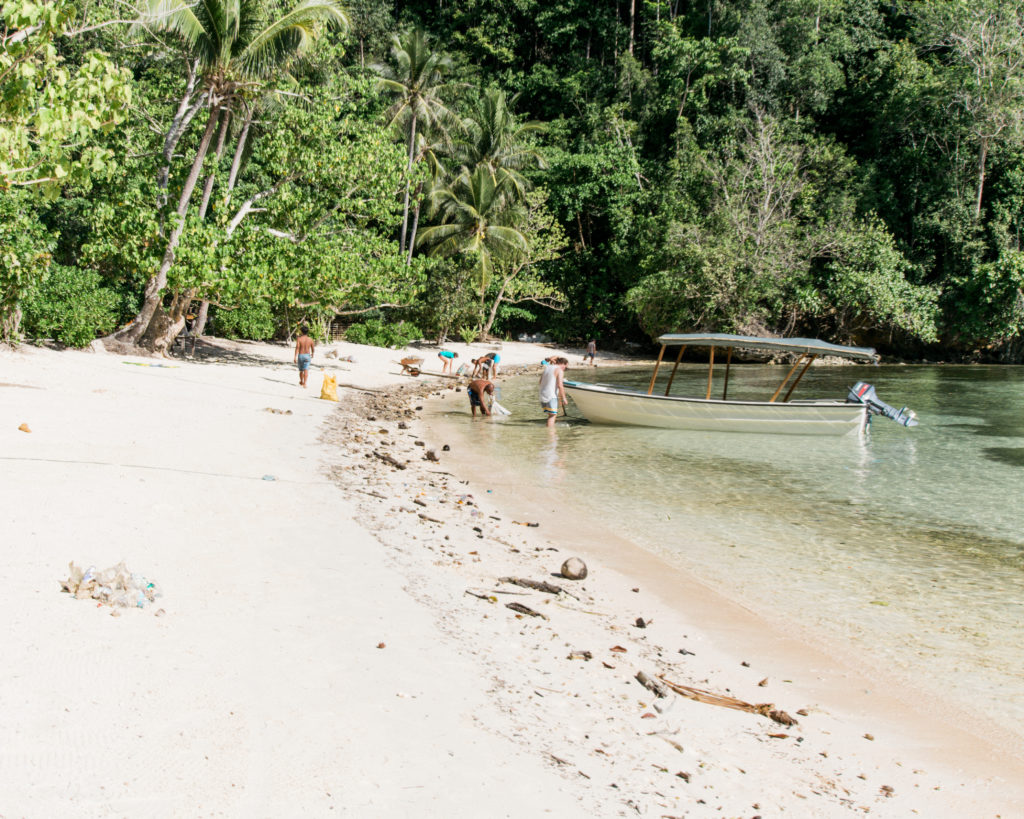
column 476, row 391
column 552, row 387
column 304, row 348
column 447, row 360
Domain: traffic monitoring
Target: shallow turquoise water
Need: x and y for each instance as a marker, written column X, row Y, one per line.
column 909, row 545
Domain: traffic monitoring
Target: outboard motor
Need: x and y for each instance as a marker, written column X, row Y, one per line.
column 863, row 393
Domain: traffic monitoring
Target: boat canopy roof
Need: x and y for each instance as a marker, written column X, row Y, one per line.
column 809, row 346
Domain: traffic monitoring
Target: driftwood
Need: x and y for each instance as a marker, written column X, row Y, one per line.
column 489, row 594
column 651, row 684
column 521, row 609
column 427, row 517
column 536, row 585
column 764, row 709
column 389, row 460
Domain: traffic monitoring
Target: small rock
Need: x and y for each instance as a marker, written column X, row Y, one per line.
column 640, row 622
column 446, row 448
column 402, row 425
column 419, row 443
column 870, row 737
column 24, row 428
column 381, row 645
column 574, row 569
column 745, row 664
column 431, row 456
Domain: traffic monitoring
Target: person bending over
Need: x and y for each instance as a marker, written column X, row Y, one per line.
column 552, row 387
column 447, row 360
column 304, row 348
column 476, row 391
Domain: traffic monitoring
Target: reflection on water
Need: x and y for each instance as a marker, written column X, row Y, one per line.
column 910, row 543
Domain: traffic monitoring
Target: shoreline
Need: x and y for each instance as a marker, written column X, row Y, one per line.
column 626, row 582
column 745, row 625
column 334, row 634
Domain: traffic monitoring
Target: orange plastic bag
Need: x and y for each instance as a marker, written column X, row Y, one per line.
column 329, row 390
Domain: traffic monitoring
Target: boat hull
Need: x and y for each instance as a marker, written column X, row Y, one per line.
column 608, row 405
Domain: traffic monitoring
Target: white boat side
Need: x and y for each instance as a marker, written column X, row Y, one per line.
column 610, row 405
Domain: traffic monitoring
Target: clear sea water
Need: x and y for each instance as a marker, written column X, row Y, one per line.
column 908, row 545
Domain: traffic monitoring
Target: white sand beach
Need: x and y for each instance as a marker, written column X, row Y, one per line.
column 316, row 653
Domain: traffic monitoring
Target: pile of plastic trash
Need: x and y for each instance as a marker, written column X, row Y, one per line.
column 115, row 586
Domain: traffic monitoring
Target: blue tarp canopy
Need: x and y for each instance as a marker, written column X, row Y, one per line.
column 810, row 346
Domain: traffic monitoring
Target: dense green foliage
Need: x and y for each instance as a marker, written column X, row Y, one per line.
column 70, row 306
column 382, row 333
column 848, row 169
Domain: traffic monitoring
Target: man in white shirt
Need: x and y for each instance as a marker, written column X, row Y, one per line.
column 552, row 387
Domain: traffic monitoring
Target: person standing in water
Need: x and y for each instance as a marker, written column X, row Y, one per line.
column 476, row 391
column 552, row 387
column 304, row 348
column 591, row 352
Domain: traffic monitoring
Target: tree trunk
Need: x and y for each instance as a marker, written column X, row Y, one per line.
column 415, row 225
column 200, row 325
column 160, row 335
column 239, row 150
column 982, row 156
column 632, row 25
column 154, row 287
column 182, row 117
column 408, row 171
column 494, row 308
column 10, row 324
column 225, row 119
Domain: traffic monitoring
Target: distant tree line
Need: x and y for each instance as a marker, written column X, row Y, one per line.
column 848, row 169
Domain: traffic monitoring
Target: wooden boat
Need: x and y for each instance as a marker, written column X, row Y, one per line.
column 604, row 404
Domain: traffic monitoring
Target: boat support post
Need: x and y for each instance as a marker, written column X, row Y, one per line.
column 788, row 376
column 789, row 392
column 650, row 387
column 711, row 371
column 672, row 377
column 725, row 386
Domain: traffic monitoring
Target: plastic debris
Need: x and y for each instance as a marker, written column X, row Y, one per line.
column 115, row 586
column 329, row 389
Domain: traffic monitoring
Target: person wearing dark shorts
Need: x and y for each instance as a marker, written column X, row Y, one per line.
column 476, row 391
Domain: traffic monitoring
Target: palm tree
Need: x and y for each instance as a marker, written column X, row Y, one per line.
column 239, row 46
column 494, row 138
column 415, row 76
column 477, row 220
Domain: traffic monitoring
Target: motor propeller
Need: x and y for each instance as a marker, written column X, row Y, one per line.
column 863, row 393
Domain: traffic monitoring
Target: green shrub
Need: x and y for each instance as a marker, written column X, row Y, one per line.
column 250, row 321
column 378, row 333
column 70, row 306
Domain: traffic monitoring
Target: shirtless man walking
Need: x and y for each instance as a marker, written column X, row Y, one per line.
column 304, row 347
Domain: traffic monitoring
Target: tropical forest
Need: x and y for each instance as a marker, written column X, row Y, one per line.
column 851, row 170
